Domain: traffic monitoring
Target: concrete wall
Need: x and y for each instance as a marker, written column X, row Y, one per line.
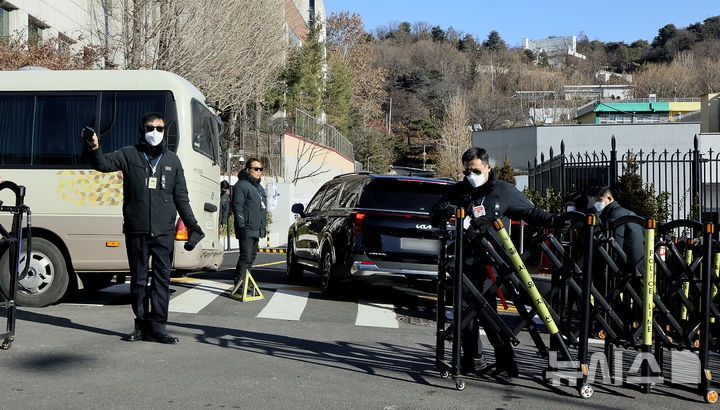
column 522, row 142
column 635, row 137
column 312, row 159
column 529, row 142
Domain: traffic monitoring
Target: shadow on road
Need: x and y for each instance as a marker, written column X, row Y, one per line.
column 377, row 359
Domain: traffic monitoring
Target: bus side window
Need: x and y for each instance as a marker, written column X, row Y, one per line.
column 16, row 123
column 204, row 131
column 59, row 119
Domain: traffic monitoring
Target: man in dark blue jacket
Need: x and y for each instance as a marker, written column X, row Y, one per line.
column 483, row 195
column 154, row 192
column 249, row 206
column 630, row 237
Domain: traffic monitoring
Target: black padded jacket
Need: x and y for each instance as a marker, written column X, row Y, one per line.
column 145, row 210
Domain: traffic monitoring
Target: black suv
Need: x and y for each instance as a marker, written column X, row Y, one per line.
column 363, row 225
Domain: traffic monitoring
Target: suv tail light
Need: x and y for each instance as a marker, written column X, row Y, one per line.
column 357, row 222
column 181, row 232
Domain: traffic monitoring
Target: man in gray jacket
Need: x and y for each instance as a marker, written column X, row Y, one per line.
column 249, row 206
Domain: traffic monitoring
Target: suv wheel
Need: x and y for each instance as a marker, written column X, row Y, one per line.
column 328, row 284
column 293, row 271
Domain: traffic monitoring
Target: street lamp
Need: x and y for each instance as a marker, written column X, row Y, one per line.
column 367, row 160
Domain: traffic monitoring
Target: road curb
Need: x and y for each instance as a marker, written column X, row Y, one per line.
column 272, row 250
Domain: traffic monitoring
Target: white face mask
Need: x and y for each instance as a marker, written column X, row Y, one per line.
column 599, row 206
column 570, row 208
column 154, row 137
column 475, row 179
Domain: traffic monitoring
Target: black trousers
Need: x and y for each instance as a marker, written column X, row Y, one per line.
column 471, row 342
column 248, row 252
column 150, row 291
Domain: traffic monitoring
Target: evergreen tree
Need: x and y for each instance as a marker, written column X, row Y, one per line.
column 506, row 172
column 494, row 42
column 338, row 94
column 631, row 192
column 304, row 76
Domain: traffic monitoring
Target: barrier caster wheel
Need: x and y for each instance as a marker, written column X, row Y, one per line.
column 460, row 384
column 545, row 376
column 711, row 397
column 444, row 374
column 586, row 391
column 6, row 344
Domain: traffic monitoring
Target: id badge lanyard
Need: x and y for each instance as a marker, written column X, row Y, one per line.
column 152, row 181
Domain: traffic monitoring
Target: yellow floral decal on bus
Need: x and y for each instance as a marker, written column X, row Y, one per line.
column 91, row 187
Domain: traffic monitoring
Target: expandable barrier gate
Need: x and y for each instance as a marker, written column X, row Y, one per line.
column 13, row 242
column 667, row 303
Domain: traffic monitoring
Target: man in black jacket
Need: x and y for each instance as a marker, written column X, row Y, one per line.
column 249, row 206
column 629, row 237
column 483, row 195
column 224, row 204
column 154, row 192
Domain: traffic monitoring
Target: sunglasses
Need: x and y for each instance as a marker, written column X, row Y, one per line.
column 150, row 128
column 473, row 171
column 256, row 168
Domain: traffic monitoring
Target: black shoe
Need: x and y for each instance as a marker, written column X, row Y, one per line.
column 161, row 338
column 134, row 336
column 476, row 365
column 507, row 369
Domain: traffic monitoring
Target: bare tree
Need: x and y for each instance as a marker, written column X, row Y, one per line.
column 455, row 138
column 311, row 160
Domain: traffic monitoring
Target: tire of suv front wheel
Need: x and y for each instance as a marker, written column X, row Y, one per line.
column 293, row 270
column 46, row 281
column 328, row 284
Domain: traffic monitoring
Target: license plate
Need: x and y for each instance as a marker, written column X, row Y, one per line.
column 415, row 244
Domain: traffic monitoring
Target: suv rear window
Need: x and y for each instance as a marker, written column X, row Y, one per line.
column 401, row 195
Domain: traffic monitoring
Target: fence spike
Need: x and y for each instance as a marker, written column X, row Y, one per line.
column 551, row 152
column 612, row 142
column 695, row 142
column 542, row 157
column 562, row 147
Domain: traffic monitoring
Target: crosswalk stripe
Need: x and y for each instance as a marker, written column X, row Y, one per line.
column 195, row 299
column 285, row 305
column 376, row 315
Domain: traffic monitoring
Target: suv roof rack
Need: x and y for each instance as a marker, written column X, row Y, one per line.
column 354, row 173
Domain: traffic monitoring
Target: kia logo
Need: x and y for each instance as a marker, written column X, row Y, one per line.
column 421, row 226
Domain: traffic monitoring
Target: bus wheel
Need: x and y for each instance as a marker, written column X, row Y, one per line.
column 47, row 278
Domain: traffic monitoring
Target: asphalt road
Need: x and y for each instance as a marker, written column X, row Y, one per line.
column 292, row 349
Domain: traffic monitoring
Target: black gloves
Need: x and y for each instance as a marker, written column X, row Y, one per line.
column 562, row 226
column 195, row 236
column 441, row 213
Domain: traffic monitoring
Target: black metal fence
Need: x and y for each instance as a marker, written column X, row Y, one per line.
column 690, row 178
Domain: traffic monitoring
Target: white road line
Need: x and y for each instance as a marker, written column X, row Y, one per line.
column 376, row 315
column 195, row 299
column 285, row 305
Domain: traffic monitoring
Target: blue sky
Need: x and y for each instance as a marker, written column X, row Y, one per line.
column 627, row 20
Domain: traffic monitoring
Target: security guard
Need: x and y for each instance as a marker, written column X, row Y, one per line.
column 154, row 192
column 483, row 195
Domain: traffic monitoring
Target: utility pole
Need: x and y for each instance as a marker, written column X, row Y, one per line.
column 390, row 118
column 424, row 153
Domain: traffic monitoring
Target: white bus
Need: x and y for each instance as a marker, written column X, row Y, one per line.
column 77, row 237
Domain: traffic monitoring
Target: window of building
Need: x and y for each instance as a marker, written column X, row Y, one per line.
column 35, row 30
column 4, row 22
